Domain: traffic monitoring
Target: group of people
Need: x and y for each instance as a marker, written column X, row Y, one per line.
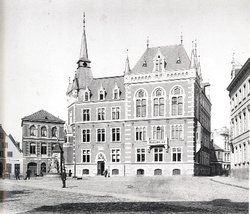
column 17, row 174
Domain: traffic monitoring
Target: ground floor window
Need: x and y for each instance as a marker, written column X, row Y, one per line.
column 9, row 166
column 86, row 155
column 176, row 171
column 140, row 172
column 85, row 172
column 157, row 172
column 115, row 171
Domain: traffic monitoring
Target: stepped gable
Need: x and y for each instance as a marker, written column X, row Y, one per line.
column 43, row 116
column 171, row 54
column 108, row 83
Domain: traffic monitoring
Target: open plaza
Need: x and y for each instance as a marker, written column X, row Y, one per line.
column 125, row 195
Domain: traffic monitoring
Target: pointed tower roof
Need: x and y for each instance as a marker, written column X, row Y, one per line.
column 84, row 48
column 127, row 65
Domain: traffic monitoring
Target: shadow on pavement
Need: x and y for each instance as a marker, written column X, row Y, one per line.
column 215, row 206
column 12, row 195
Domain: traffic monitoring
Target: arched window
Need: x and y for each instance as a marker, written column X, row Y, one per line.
column 44, row 131
column 32, row 131
column 157, row 172
column 85, row 172
column 176, row 171
column 115, row 171
column 177, row 101
column 140, row 172
column 101, row 95
column 158, row 132
column 54, row 132
column 141, row 103
column 158, row 102
column 86, row 96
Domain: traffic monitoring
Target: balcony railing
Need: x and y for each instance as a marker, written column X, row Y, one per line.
column 153, row 142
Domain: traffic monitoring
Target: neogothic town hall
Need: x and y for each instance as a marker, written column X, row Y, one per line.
column 153, row 119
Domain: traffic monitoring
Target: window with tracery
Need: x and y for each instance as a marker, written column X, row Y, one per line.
column 141, row 107
column 158, row 102
column 177, row 101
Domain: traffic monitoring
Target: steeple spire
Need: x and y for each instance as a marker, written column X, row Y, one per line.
column 127, row 66
column 181, row 39
column 84, row 48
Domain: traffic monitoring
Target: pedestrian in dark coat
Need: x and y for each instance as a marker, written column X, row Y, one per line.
column 17, row 174
column 64, row 178
column 28, row 172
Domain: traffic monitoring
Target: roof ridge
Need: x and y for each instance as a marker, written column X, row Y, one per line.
column 108, row 77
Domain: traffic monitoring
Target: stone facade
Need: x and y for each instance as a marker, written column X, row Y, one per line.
column 153, row 120
column 239, row 93
column 41, row 134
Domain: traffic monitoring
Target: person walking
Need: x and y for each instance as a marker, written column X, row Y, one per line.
column 17, row 174
column 64, row 178
column 28, row 172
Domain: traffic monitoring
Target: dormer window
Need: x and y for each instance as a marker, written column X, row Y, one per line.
column 86, row 95
column 159, row 62
column 101, row 93
column 116, row 93
column 144, row 64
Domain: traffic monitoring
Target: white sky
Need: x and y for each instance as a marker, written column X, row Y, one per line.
column 40, row 45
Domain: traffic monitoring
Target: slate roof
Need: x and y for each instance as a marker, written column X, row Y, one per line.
column 43, row 116
column 108, row 83
column 16, row 144
column 171, row 54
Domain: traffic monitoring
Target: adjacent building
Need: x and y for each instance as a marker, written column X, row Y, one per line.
column 42, row 133
column 239, row 93
column 11, row 157
column 153, row 119
column 220, row 152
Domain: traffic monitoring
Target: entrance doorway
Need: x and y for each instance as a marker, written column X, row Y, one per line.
column 100, row 167
column 33, row 167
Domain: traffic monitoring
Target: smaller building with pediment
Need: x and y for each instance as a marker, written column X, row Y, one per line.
column 42, row 133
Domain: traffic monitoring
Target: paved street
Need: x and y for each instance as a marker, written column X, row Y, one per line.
column 125, row 194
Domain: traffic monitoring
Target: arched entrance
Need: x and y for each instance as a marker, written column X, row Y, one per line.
column 43, row 168
column 33, row 167
column 100, row 160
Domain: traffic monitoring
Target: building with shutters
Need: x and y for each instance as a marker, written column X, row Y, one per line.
column 153, row 119
column 239, row 93
column 41, row 134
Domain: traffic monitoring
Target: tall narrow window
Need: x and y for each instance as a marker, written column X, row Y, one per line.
column 116, row 134
column 44, row 149
column 86, row 135
column 115, row 155
column 44, row 131
column 140, row 155
column 176, row 154
column 140, row 133
column 116, row 113
column 177, row 101
column 141, row 104
column 101, row 135
column 54, row 132
column 32, row 130
column 32, row 148
column 102, row 94
column 101, row 114
column 158, row 154
column 158, row 133
column 86, row 114
column 86, row 96
column 86, row 156
column 158, row 102
column 177, row 132
column 159, row 62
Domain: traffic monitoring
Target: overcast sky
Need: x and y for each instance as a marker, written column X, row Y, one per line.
column 40, row 45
